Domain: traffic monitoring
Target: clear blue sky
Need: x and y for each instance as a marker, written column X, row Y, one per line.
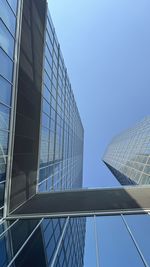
column 106, row 47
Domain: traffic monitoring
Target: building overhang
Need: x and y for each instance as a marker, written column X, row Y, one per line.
column 103, row 201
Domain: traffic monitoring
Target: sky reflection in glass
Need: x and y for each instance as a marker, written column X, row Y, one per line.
column 115, row 245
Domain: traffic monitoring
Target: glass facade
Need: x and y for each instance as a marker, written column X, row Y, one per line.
column 41, row 150
column 28, row 102
column 45, row 150
column 46, row 145
column 61, row 142
column 76, row 241
column 128, row 155
column 8, row 18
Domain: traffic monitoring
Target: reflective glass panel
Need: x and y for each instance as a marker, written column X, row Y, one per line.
column 45, row 120
column 115, row 245
column 71, row 250
column 6, row 66
column 46, row 94
column 4, row 253
column 4, row 117
column 6, row 40
column 5, row 89
column 2, row 186
column 47, row 80
column 7, row 16
column 65, row 140
column 46, row 107
column 42, row 187
column 52, row 231
column 89, row 258
column 13, row 4
column 140, row 228
column 3, row 143
column 2, row 172
column 13, row 240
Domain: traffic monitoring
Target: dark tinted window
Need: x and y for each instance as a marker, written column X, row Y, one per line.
column 2, row 186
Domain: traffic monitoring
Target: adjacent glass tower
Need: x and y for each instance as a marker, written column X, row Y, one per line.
column 128, row 154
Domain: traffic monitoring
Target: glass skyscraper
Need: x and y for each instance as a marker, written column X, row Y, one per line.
column 42, row 223
column 61, row 138
column 41, row 133
column 128, row 154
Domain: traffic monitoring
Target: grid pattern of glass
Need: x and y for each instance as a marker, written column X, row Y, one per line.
column 129, row 154
column 76, row 241
column 61, row 140
column 8, row 9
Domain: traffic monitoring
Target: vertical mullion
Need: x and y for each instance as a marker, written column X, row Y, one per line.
column 96, row 242
column 60, row 241
column 134, row 241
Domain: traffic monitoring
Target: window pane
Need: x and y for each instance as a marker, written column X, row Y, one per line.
column 7, row 16
column 3, row 143
column 42, row 174
column 6, row 66
column 140, row 227
column 46, row 94
column 50, row 31
column 4, row 117
column 48, row 69
column 46, row 107
column 5, row 89
column 49, row 43
column 4, row 253
column 115, row 245
column 48, row 55
column 13, row 4
column 44, row 152
column 42, row 187
column 2, row 172
column 19, row 233
column 2, row 186
column 45, row 134
column 6, row 40
column 47, row 81
column 90, row 244
column 72, row 246
column 45, row 120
